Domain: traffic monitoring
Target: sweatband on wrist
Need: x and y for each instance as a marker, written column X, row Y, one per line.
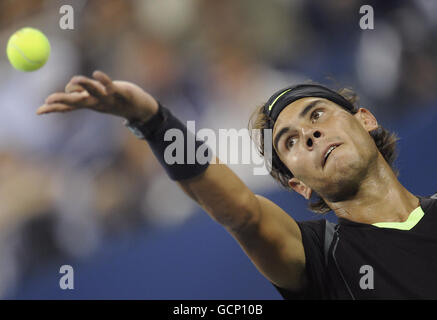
column 183, row 157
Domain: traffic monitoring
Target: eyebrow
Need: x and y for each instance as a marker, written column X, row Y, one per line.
column 302, row 114
column 309, row 107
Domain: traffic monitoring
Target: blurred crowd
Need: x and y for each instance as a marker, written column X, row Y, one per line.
column 70, row 181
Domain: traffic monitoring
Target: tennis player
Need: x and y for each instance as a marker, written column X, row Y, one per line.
column 325, row 148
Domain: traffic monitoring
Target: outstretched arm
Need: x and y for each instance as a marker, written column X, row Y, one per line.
column 269, row 236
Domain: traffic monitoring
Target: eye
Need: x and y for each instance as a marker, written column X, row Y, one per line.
column 290, row 142
column 316, row 114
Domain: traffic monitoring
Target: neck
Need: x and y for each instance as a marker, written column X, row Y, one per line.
column 380, row 198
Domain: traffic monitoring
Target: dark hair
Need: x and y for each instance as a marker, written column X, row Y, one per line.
column 385, row 142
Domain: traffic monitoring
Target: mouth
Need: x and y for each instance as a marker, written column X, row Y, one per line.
column 328, row 152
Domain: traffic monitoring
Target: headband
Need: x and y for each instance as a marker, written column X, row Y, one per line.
column 284, row 97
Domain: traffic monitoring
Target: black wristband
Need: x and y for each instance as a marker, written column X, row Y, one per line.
column 178, row 166
column 143, row 130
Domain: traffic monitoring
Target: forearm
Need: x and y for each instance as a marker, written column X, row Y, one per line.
column 222, row 194
column 213, row 185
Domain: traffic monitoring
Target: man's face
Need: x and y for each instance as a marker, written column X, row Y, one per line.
column 327, row 149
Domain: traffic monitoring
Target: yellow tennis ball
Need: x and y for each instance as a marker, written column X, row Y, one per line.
column 28, row 49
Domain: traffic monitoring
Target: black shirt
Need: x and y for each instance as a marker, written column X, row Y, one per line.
column 369, row 262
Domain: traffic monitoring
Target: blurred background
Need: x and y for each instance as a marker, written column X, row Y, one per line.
column 80, row 189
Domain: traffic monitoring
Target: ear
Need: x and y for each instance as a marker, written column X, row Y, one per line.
column 367, row 119
column 300, row 188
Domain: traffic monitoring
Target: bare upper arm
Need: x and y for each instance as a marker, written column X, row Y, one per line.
column 274, row 244
column 269, row 236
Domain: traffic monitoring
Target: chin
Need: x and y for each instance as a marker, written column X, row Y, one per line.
column 341, row 191
column 344, row 181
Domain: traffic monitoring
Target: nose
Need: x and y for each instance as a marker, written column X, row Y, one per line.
column 311, row 136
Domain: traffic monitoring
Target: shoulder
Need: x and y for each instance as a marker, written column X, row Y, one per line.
column 318, row 224
column 313, row 240
column 429, row 204
column 313, row 235
column 314, row 228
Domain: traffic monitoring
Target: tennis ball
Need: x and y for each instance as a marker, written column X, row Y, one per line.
column 28, row 49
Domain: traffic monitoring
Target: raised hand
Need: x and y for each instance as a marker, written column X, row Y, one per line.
column 119, row 98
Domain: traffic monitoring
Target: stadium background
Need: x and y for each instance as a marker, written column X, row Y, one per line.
column 79, row 189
